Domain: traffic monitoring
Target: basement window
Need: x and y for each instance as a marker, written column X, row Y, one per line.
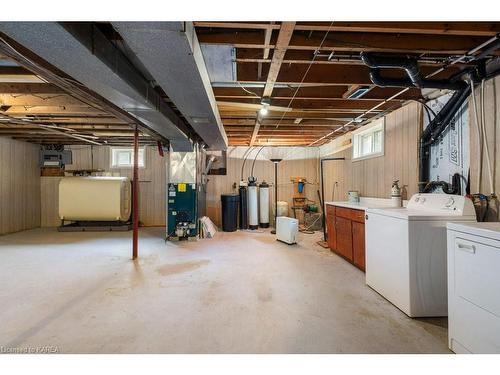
column 123, row 157
column 368, row 141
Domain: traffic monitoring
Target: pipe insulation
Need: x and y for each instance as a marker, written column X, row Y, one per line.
column 95, row 199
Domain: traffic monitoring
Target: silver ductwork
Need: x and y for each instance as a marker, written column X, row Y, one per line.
column 82, row 52
column 172, row 55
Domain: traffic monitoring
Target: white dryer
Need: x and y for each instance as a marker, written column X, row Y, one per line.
column 406, row 251
column 474, row 288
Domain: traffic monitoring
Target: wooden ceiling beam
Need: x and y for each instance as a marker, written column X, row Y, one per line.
column 351, row 42
column 238, row 25
column 29, row 88
column 331, row 57
column 329, row 74
column 284, row 36
column 323, row 104
column 106, row 129
column 326, row 92
column 54, row 111
column 106, row 121
column 271, row 122
column 448, row 28
column 48, row 100
column 303, row 115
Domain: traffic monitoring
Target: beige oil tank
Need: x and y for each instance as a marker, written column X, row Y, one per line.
column 95, row 199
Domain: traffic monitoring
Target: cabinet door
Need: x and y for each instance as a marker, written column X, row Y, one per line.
column 358, row 244
column 344, row 237
column 330, row 227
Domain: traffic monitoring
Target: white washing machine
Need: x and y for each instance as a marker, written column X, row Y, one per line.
column 474, row 288
column 406, row 251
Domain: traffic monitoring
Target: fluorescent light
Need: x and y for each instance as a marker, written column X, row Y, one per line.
column 263, row 111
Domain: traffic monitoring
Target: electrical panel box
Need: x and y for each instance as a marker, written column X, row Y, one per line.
column 182, row 211
column 55, row 158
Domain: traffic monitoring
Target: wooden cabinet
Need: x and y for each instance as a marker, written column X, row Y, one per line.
column 330, row 226
column 358, row 244
column 343, row 227
column 346, row 233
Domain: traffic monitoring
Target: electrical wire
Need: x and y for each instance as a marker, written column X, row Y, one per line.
column 245, row 156
column 253, row 164
column 479, row 137
column 484, row 140
column 246, row 90
column 305, row 74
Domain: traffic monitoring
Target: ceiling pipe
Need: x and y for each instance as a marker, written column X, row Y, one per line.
column 410, row 66
column 13, row 120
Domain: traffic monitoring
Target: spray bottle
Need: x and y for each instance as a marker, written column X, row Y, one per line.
column 396, row 194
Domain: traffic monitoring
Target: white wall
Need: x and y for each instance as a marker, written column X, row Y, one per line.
column 297, row 161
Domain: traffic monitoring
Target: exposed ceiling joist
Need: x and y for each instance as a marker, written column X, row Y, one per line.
column 284, row 36
column 448, row 28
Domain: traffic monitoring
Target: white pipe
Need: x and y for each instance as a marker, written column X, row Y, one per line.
column 479, row 139
column 486, row 146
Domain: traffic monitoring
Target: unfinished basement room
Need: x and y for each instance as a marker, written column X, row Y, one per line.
column 249, row 187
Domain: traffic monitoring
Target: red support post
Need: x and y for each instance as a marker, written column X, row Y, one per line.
column 135, row 196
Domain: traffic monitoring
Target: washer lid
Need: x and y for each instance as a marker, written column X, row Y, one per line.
column 420, row 215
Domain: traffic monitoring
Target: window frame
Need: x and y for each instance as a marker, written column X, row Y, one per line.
column 142, row 150
column 370, row 129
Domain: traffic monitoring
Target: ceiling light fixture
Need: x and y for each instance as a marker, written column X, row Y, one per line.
column 266, row 102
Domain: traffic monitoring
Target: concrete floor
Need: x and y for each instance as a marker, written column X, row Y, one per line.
column 238, row 293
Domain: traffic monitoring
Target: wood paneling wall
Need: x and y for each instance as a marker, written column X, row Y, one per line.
column 152, row 183
column 297, row 161
column 19, row 186
column 492, row 125
column 49, row 193
column 373, row 177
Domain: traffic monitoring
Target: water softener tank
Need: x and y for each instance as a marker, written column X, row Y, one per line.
column 264, row 204
column 243, row 206
column 253, row 213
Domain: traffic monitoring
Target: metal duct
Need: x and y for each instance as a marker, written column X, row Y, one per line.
column 171, row 53
column 410, row 65
column 81, row 51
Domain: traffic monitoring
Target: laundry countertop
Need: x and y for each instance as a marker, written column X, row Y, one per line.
column 365, row 203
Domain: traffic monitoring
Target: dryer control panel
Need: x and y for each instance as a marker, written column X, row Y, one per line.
column 451, row 204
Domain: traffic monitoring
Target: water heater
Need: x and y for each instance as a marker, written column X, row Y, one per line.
column 253, row 212
column 264, row 204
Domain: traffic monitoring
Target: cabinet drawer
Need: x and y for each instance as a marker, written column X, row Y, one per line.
column 477, row 279
column 343, row 212
column 330, row 210
column 358, row 215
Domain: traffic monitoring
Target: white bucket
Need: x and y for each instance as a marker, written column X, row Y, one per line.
column 282, row 208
